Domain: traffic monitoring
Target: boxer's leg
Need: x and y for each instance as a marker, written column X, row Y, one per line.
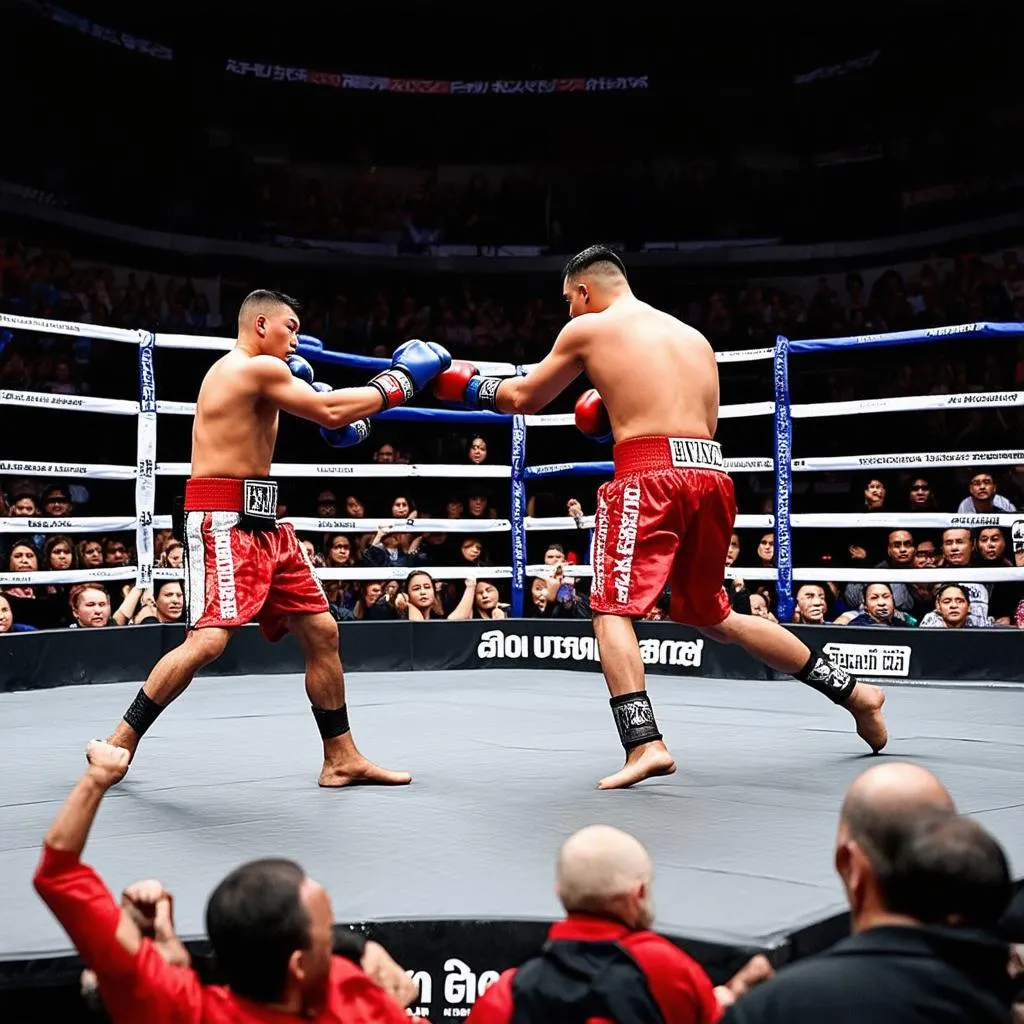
column 325, row 686
column 784, row 651
column 646, row 754
column 168, row 680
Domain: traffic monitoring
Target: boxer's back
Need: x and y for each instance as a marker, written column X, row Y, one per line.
column 235, row 428
column 657, row 376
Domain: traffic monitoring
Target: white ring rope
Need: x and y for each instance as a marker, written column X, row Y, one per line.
column 146, row 468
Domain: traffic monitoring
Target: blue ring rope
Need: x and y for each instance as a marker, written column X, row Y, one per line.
column 783, row 481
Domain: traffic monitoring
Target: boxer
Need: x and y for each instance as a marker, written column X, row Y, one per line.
column 241, row 564
column 668, row 514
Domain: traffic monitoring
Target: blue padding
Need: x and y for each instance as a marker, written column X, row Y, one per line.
column 410, row 413
column 570, row 469
column 979, row 330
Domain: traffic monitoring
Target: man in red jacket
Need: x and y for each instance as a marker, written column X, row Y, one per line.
column 270, row 927
column 602, row 963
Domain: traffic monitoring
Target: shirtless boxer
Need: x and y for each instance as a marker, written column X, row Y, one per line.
column 241, row 565
column 668, row 514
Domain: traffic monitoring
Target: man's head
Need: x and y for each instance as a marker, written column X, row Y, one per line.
column 268, row 323
column 592, row 280
column 608, row 873
column 879, row 812
column 953, row 604
column 878, row 602
column 983, row 490
column 957, row 546
column 810, row 600
column 900, row 548
column 950, row 872
column 270, row 928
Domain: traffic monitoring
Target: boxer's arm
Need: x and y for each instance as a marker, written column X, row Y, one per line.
column 331, row 409
column 549, row 378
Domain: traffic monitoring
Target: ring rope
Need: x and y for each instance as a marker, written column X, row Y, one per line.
column 147, row 467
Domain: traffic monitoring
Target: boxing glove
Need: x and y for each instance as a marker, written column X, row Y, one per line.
column 592, row 416
column 322, row 387
column 347, row 436
column 300, row 368
column 413, row 366
column 463, row 385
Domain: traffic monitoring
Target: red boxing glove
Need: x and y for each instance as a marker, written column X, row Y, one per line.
column 592, row 416
column 450, row 385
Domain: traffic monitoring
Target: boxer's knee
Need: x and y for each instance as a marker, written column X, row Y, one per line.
column 725, row 632
column 318, row 634
column 206, row 645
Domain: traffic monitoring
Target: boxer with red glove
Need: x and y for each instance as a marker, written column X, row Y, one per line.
column 592, row 416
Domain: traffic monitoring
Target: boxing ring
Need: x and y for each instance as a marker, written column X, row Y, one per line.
column 454, row 873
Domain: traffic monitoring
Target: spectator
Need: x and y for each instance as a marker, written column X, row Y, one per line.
column 991, row 547
column 269, row 926
column 958, row 548
column 422, row 603
column 90, row 606
column 23, row 503
column 879, row 609
column 477, row 452
column 900, row 555
column 89, row 553
column 874, row 495
column 983, row 496
column 920, row 496
column 165, row 603
column 602, row 962
column 952, row 609
column 57, row 502
column 912, row 872
column 7, row 623
column 811, row 605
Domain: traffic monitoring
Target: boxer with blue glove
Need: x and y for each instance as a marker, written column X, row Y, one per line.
column 242, row 565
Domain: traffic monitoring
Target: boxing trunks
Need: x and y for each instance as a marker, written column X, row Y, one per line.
column 240, row 564
column 667, row 517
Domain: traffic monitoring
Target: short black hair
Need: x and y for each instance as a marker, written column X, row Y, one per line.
column 954, row 586
column 255, row 920
column 591, row 258
column 264, row 297
column 950, row 870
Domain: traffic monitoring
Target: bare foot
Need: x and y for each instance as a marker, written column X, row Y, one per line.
column 865, row 704
column 643, row 762
column 357, row 771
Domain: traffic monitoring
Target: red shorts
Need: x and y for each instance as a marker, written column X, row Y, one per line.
column 234, row 576
column 667, row 517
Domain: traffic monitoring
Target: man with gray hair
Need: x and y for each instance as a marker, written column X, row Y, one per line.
column 602, row 961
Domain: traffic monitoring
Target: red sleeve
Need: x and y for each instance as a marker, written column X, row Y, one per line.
column 679, row 984
column 355, row 996
column 133, row 987
column 495, row 1005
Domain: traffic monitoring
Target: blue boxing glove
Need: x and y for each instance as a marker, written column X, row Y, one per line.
column 300, row 368
column 322, row 387
column 347, row 436
column 413, row 366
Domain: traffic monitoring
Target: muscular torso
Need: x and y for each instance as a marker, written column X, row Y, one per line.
column 235, row 429
column 655, row 374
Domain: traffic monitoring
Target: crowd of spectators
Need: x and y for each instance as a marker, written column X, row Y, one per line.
column 475, row 319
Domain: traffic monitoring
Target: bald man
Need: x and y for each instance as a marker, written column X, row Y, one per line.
column 602, row 963
column 925, row 889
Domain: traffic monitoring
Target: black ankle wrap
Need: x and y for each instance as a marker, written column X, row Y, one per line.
column 827, row 677
column 142, row 713
column 634, row 718
column 331, row 723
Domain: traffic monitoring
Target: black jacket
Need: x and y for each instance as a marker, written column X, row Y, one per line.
column 888, row 975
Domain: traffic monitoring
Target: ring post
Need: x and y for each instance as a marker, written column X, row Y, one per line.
column 518, row 516
column 783, row 481
column 145, row 480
